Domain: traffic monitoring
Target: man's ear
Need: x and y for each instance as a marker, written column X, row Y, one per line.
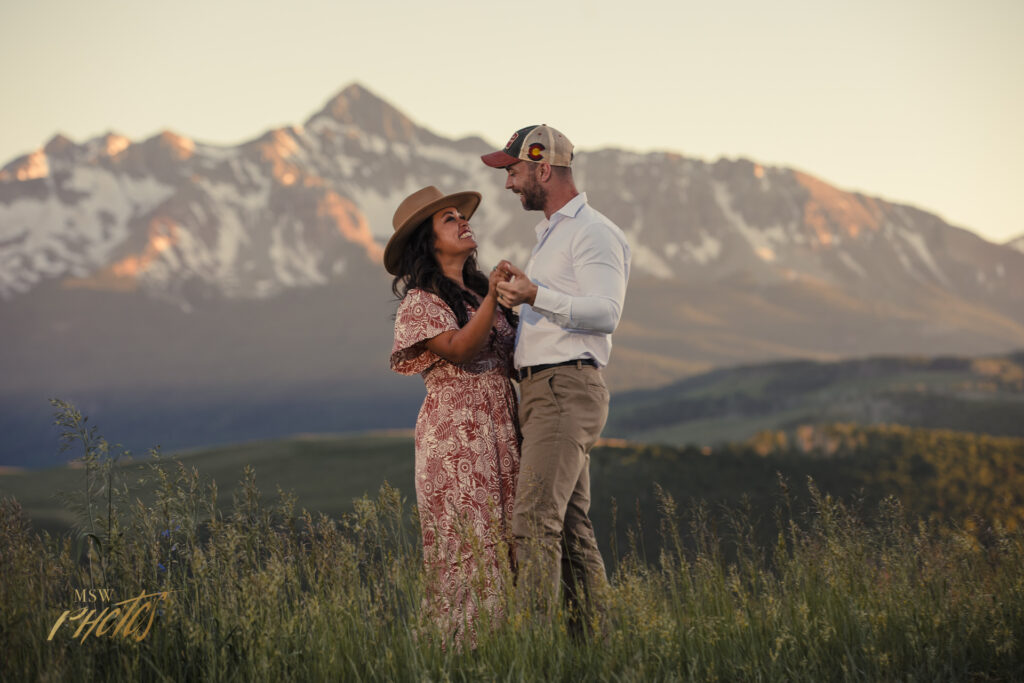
column 544, row 172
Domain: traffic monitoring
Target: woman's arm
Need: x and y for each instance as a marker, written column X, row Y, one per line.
column 459, row 346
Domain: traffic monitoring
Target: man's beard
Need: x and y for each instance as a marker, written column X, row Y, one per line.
column 534, row 195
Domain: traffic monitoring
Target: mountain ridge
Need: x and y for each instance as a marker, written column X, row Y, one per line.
column 746, row 215
column 127, row 267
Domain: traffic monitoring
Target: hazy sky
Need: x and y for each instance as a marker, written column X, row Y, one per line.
column 917, row 101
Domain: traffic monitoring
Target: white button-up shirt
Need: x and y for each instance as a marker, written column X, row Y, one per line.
column 580, row 266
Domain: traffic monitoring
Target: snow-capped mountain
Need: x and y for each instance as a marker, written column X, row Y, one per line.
column 292, row 208
column 177, row 266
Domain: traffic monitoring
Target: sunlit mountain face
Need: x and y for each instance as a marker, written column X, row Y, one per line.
column 176, row 274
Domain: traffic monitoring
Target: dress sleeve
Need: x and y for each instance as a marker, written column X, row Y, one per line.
column 421, row 316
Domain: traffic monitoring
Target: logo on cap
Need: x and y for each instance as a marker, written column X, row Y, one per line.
column 535, row 151
column 515, row 136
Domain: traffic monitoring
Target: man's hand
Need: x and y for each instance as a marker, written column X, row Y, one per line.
column 518, row 290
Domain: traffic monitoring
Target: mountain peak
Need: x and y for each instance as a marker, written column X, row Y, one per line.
column 58, row 144
column 354, row 89
column 179, row 146
column 115, row 143
column 357, row 106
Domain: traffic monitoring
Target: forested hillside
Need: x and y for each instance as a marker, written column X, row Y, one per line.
column 983, row 395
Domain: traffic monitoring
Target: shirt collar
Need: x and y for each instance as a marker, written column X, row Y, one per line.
column 571, row 208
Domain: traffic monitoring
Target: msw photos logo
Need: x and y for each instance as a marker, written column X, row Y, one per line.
column 131, row 618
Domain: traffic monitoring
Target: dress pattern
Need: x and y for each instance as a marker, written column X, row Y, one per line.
column 467, row 460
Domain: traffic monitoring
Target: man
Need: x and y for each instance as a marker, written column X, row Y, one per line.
column 571, row 291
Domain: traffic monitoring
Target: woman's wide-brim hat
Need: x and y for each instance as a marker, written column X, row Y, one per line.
column 418, row 207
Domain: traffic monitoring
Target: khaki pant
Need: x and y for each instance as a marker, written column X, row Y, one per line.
column 562, row 412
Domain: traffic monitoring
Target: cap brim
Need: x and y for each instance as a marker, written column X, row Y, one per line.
column 499, row 159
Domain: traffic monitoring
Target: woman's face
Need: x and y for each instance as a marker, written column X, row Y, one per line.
column 452, row 235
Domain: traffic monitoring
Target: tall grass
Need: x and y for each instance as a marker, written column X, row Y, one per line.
column 272, row 593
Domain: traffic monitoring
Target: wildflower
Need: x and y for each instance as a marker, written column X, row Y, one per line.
column 166, row 533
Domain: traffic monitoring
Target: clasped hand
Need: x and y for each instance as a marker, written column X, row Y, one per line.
column 512, row 286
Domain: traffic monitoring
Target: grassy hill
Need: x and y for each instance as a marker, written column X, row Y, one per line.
column 983, row 395
column 265, row 592
column 325, row 472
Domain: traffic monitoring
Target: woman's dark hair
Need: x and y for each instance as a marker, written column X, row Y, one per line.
column 419, row 269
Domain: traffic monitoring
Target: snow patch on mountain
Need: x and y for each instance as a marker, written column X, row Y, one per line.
column 233, row 196
column 445, row 155
column 215, row 153
column 119, row 193
column 231, row 238
column 852, row 264
column 646, row 259
column 916, row 241
column 760, row 240
column 379, row 205
column 295, row 264
column 45, row 238
column 704, row 252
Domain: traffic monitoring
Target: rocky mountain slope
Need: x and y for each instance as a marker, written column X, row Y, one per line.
column 222, row 276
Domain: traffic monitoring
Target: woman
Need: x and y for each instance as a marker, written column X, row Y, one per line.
column 450, row 329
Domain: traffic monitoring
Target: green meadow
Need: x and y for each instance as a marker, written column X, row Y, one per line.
column 838, row 552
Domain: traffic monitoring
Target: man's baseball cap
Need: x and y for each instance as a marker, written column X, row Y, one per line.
column 534, row 143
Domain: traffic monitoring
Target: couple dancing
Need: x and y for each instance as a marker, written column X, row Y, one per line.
column 481, row 483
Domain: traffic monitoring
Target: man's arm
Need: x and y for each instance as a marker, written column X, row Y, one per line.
column 599, row 262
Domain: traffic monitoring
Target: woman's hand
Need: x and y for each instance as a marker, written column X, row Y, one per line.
column 498, row 275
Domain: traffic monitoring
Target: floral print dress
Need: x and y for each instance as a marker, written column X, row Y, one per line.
column 467, row 460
